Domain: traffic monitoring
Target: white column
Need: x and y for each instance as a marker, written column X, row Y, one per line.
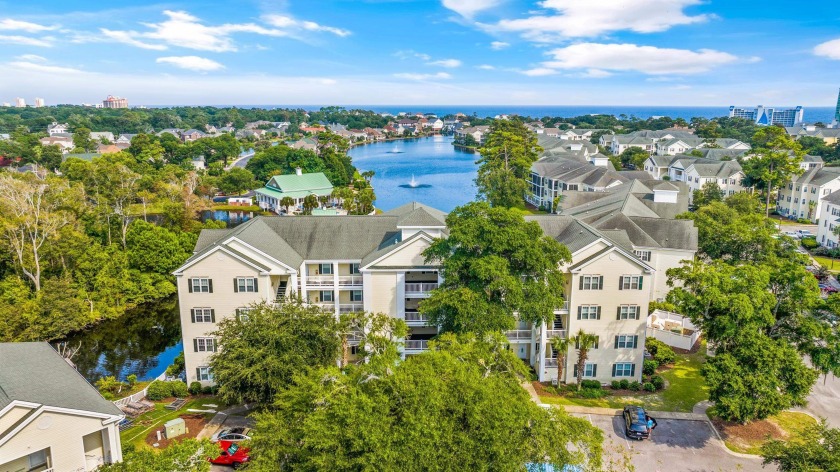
column 400, row 296
column 542, row 354
column 303, row 275
column 293, row 283
column 367, row 291
column 114, row 442
column 335, row 288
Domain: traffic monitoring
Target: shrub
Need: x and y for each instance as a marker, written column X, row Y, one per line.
column 649, row 367
column 590, row 384
column 158, row 391
column 592, row 393
column 208, row 390
column 195, row 388
column 803, row 221
column 131, row 379
column 658, row 382
column 615, row 385
column 821, row 251
column 809, row 243
column 179, row 389
column 177, row 366
column 649, row 387
column 109, row 384
column 625, row 384
column 635, row 386
column 661, row 352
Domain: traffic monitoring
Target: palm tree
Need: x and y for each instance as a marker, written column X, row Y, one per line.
column 287, row 202
column 560, row 345
column 368, row 175
column 309, row 203
column 583, row 343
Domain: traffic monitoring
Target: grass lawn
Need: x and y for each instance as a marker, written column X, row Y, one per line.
column 154, row 419
column 832, row 265
column 225, row 207
column 785, row 221
column 748, row 438
column 686, row 387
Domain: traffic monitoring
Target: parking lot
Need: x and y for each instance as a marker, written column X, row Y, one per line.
column 675, row 446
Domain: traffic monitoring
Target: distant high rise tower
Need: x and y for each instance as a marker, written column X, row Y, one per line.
column 20, row 103
column 770, row 116
column 115, row 102
column 837, row 112
column 39, row 102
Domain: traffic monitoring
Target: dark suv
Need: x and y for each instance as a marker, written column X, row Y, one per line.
column 636, row 422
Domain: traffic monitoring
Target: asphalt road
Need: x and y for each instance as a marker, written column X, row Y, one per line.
column 675, row 446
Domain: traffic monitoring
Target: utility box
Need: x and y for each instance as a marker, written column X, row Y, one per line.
column 174, row 428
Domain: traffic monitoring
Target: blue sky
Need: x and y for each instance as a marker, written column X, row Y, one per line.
column 380, row 52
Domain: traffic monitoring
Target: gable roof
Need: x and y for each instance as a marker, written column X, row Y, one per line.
column 34, row 372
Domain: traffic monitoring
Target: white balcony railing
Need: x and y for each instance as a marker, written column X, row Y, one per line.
column 550, row 362
column 320, row 280
column 350, row 307
column 564, row 307
column 416, row 344
column 414, row 289
column 349, row 280
column 413, row 318
column 325, row 306
column 556, row 333
column 519, row 334
column 354, row 338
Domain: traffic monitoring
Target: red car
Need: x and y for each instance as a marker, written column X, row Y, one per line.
column 232, row 454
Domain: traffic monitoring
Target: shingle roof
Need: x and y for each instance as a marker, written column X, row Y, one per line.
column 419, row 218
column 833, row 197
column 403, row 210
column 35, row 372
column 818, row 176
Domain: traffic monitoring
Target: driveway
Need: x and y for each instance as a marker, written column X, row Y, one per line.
column 824, row 400
column 230, row 418
column 675, row 446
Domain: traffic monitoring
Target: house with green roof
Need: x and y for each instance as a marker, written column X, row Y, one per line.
column 296, row 186
column 51, row 418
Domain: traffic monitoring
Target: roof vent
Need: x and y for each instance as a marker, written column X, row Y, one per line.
column 298, row 171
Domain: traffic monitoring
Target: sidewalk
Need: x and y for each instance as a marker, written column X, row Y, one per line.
column 233, row 416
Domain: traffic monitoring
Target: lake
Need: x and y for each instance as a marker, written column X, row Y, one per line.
column 144, row 342
column 444, row 175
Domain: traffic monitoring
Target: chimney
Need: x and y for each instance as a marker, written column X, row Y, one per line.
column 298, row 171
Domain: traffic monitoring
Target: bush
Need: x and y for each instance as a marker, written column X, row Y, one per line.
column 635, row 386
column 131, row 379
column 803, row 221
column 649, row 367
column 625, row 384
column 649, row 387
column 658, row 382
column 809, row 243
column 592, row 393
column 821, row 251
column 590, row 384
column 179, row 389
column 177, row 366
column 158, row 391
column 615, row 385
column 195, row 388
column 661, row 352
column 208, row 390
column 109, row 384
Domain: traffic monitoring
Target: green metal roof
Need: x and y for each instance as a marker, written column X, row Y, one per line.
column 324, row 212
column 298, row 183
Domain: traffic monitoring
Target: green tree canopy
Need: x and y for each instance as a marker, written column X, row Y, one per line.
column 237, row 180
column 189, row 455
column 634, row 157
column 816, row 449
column 493, row 264
column 505, row 163
column 774, row 159
column 708, row 193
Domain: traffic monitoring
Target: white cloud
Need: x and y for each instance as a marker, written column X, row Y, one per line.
column 33, row 67
column 468, row 8
column 191, row 63
column 539, row 72
column 27, row 41
column 631, row 57
column 409, row 54
column 15, row 25
column 486, row 67
column 287, row 22
column 31, row 58
column 596, row 74
column 498, row 45
column 829, row 49
column 448, row 63
column 576, row 18
column 126, row 37
column 421, row 77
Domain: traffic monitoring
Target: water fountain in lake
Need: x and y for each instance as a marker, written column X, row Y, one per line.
column 414, row 184
column 395, row 150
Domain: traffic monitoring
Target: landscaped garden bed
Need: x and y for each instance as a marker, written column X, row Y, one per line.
column 748, row 438
column 194, row 422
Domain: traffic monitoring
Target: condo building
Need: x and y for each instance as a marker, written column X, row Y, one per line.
column 770, row 116
column 115, row 102
column 622, row 242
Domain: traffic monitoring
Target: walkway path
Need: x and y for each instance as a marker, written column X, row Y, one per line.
column 233, row 416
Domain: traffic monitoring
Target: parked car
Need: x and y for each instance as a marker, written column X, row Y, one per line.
column 232, row 455
column 637, row 423
column 792, row 234
column 803, row 233
column 232, row 435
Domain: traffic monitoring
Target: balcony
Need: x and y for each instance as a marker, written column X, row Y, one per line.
column 519, row 335
column 413, row 318
column 419, row 289
column 354, row 338
column 350, row 307
column 329, row 307
column 414, row 346
column 350, row 280
column 563, row 309
column 551, row 362
column 555, row 333
column 320, row 280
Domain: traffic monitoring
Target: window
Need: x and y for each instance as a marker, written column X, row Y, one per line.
column 203, row 374
column 589, row 312
column 245, row 284
column 325, row 295
column 644, row 255
column 354, row 268
column 626, row 341
column 200, row 284
column 204, row 345
column 242, row 313
column 38, row 459
column 354, row 350
column 627, row 312
column 589, row 370
column 203, row 315
column 732, row 181
column 594, row 346
column 624, row 369
column 788, row 199
column 325, row 269
column 355, row 295
column 796, row 200
column 630, row 282
column 591, row 282
column 804, row 188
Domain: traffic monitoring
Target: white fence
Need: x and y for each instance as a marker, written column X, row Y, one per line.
column 672, row 329
column 139, row 395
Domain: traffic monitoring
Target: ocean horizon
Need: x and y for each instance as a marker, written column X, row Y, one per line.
column 812, row 114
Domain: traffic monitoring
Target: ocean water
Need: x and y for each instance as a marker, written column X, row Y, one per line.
column 443, row 175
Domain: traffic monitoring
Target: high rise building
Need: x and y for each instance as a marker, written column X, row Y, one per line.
column 837, row 113
column 115, row 102
column 39, row 102
column 770, row 116
column 20, row 103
